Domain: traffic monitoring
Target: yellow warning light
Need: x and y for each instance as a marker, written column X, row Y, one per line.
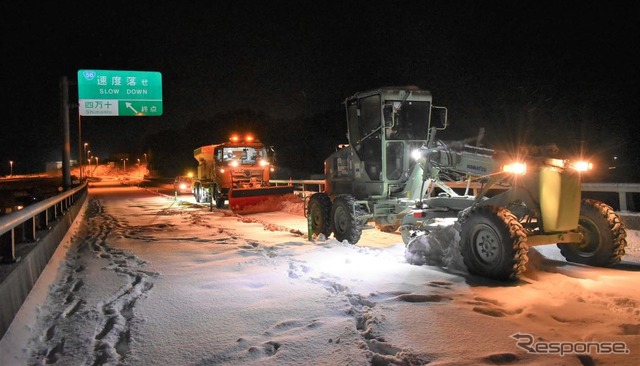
column 581, row 166
column 515, row 168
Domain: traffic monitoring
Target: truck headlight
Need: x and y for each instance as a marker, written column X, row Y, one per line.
column 416, row 154
column 263, row 163
column 515, row 168
column 581, row 166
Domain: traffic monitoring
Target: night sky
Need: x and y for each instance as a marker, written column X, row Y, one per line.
column 524, row 70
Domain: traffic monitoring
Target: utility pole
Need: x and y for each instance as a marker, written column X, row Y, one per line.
column 66, row 148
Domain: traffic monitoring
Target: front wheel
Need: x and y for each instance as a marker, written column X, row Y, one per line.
column 344, row 223
column 318, row 211
column 217, row 197
column 493, row 243
column 604, row 236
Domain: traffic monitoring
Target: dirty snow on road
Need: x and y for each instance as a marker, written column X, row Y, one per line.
column 144, row 279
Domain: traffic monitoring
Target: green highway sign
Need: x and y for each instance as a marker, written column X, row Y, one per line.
column 119, row 93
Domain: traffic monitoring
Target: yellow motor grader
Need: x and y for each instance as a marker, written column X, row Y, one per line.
column 396, row 173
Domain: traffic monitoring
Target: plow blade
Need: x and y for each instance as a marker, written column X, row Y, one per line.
column 254, row 200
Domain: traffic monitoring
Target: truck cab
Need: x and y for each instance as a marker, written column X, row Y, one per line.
column 240, row 165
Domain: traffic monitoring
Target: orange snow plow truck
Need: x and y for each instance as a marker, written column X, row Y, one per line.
column 237, row 171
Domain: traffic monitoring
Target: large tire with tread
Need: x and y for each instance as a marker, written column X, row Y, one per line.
column 493, row 243
column 202, row 194
column 198, row 193
column 604, row 236
column 344, row 223
column 318, row 211
column 217, row 197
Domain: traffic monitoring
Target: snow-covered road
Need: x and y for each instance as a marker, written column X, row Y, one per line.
column 144, row 279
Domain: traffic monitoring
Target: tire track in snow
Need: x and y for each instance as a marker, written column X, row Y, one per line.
column 367, row 319
column 101, row 335
column 360, row 308
column 112, row 341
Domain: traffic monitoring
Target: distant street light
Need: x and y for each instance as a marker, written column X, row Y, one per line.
column 145, row 157
column 124, row 166
column 11, row 165
column 81, row 160
column 95, row 170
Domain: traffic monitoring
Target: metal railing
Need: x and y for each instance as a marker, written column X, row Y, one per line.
column 25, row 225
column 620, row 188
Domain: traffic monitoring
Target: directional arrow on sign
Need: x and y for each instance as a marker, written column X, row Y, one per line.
column 128, row 105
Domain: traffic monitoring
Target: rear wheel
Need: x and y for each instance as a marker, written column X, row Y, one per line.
column 493, row 243
column 197, row 192
column 344, row 222
column 604, row 236
column 318, row 211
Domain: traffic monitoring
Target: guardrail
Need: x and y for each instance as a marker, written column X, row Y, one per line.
column 25, row 225
column 314, row 185
column 39, row 229
column 622, row 189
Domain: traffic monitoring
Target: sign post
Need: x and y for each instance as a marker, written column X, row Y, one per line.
column 103, row 93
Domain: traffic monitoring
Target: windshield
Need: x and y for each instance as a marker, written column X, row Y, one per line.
column 242, row 154
column 412, row 121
